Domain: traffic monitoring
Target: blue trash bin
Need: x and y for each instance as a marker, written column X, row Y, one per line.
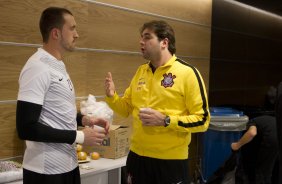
column 223, row 130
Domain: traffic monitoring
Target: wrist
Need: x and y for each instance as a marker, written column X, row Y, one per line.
column 79, row 137
column 111, row 95
column 166, row 121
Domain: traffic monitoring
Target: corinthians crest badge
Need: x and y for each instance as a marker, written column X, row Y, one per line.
column 168, row 80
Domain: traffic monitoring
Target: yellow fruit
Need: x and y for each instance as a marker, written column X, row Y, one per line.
column 95, row 155
column 81, row 155
column 78, row 147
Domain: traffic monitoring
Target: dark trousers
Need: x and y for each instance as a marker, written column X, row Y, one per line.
column 146, row 170
column 72, row 177
column 258, row 162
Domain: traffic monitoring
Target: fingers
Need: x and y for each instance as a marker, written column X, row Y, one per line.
column 99, row 138
column 100, row 135
column 145, row 119
column 146, row 114
column 146, row 111
column 102, row 123
column 98, row 141
column 107, row 128
column 109, row 76
column 109, row 85
column 99, row 129
column 94, row 136
column 143, row 115
column 151, row 117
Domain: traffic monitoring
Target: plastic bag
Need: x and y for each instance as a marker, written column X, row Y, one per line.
column 92, row 108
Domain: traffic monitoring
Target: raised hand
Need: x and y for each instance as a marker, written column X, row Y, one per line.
column 109, row 85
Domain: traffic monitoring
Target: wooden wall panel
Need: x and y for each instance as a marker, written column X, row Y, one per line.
column 203, row 67
column 245, row 54
column 19, row 20
column 241, row 79
column 106, row 32
column 231, row 74
column 247, row 20
column 12, row 59
column 122, row 67
column 179, row 9
column 17, row 23
column 191, row 40
column 240, row 97
column 113, row 29
column 236, row 50
column 10, row 144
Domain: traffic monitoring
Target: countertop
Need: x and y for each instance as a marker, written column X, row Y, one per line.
column 95, row 167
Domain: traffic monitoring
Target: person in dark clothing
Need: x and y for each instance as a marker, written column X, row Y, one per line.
column 260, row 149
column 278, row 111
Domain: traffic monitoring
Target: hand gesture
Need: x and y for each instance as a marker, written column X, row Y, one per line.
column 151, row 117
column 93, row 136
column 91, row 121
column 101, row 123
column 109, row 85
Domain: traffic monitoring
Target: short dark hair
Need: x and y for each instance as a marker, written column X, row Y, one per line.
column 52, row 17
column 162, row 30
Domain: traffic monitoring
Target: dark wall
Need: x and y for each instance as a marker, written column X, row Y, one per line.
column 246, row 54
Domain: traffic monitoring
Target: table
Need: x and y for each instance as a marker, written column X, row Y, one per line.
column 101, row 171
column 104, row 171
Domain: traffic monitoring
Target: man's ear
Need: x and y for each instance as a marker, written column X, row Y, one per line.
column 164, row 43
column 55, row 34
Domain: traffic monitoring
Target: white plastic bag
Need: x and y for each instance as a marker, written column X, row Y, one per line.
column 92, row 108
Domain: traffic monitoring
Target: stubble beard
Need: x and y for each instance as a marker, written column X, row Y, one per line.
column 68, row 47
column 151, row 56
column 146, row 56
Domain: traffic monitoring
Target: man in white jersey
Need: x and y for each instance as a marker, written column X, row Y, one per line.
column 46, row 110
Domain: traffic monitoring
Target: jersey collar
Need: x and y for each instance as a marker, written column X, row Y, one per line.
column 168, row 63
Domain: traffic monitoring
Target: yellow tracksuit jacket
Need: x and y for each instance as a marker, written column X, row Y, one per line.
column 175, row 89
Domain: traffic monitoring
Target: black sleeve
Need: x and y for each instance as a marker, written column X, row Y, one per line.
column 29, row 128
column 79, row 119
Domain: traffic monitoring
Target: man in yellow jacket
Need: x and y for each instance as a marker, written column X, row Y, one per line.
column 168, row 101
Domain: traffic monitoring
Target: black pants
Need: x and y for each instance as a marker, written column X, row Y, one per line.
column 146, row 170
column 72, row 177
column 258, row 162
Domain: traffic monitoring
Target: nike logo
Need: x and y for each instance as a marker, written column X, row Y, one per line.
column 61, row 79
